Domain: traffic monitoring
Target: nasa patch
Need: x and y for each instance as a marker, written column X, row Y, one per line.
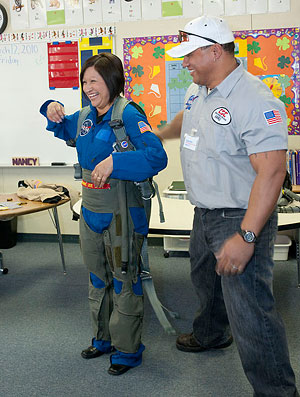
column 221, row 116
column 85, row 127
column 124, row 144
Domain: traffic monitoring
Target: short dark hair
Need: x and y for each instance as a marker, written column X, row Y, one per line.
column 110, row 68
column 229, row 47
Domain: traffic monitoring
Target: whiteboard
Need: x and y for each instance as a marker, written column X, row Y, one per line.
column 24, row 88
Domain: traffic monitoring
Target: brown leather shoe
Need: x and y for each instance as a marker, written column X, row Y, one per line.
column 188, row 343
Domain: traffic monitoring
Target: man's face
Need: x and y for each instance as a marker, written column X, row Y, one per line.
column 200, row 63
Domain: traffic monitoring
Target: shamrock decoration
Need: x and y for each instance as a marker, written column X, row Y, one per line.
column 183, row 80
column 283, row 62
column 286, row 100
column 138, row 71
column 142, row 105
column 161, row 124
column 283, row 44
column 284, row 80
column 254, row 47
column 158, row 52
column 138, row 89
column 137, row 52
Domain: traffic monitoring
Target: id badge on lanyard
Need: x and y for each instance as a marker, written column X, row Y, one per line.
column 190, row 140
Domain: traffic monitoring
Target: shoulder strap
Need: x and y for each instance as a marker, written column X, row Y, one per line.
column 116, row 123
column 82, row 115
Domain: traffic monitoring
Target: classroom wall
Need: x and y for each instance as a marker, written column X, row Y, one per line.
column 9, row 176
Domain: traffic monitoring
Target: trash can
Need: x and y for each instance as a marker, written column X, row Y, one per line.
column 8, row 232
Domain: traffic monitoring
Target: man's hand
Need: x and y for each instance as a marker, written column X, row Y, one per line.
column 102, row 171
column 55, row 112
column 233, row 256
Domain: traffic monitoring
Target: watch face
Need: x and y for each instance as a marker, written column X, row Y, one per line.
column 249, row 237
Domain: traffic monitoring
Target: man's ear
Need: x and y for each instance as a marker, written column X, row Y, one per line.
column 217, row 51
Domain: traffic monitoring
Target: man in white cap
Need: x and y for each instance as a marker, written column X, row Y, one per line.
column 233, row 135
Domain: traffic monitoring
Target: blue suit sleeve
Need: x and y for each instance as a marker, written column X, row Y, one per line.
column 66, row 129
column 149, row 157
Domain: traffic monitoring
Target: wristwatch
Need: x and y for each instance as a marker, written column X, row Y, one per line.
column 248, row 236
column 3, row 18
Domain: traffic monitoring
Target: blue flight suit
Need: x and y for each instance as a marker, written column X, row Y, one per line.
column 116, row 299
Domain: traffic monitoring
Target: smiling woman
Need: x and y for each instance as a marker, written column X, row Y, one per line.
column 114, row 222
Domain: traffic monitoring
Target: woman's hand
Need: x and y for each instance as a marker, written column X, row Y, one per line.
column 102, row 171
column 55, row 112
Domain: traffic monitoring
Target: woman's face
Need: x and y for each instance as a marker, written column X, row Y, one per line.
column 96, row 90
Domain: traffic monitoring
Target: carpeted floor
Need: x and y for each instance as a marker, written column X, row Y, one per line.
column 44, row 325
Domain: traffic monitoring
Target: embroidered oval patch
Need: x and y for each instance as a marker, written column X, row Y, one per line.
column 221, row 116
column 85, row 127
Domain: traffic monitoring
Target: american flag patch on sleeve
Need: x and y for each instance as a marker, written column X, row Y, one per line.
column 273, row 117
column 144, row 127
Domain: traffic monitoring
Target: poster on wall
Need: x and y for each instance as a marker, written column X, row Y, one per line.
column 257, row 6
column 19, row 14
column 151, row 9
column 73, row 12
column 131, row 10
column 92, row 11
column 213, row 7
column 55, row 12
column 192, row 8
column 37, row 14
column 171, row 8
column 235, row 7
column 279, row 5
column 111, row 10
column 158, row 83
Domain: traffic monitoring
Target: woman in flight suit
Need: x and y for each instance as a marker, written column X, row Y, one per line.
column 113, row 221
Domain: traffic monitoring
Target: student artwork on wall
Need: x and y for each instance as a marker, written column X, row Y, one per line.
column 55, row 12
column 92, row 11
column 37, row 13
column 73, row 12
column 131, row 10
column 111, row 10
column 235, row 7
column 171, row 8
column 192, row 8
column 19, row 14
column 158, row 83
column 151, row 9
column 213, row 7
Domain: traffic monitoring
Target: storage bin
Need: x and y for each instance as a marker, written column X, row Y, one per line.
column 8, row 232
column 281, row 248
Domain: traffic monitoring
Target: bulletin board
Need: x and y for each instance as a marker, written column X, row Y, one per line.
column 158, row 83
column 24, row 82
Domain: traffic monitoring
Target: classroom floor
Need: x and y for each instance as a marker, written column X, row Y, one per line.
column 45, row 325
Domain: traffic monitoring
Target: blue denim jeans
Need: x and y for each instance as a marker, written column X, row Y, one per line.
column 242, row 305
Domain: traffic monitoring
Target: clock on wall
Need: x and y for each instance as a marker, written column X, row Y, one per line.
column 3, row 18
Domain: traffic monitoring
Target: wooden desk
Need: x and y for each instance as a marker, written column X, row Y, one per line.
column 29, row 207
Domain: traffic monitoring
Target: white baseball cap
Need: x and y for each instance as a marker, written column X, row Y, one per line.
column 201, row 32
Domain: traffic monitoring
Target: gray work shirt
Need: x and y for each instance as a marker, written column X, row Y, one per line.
column 220, row 130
